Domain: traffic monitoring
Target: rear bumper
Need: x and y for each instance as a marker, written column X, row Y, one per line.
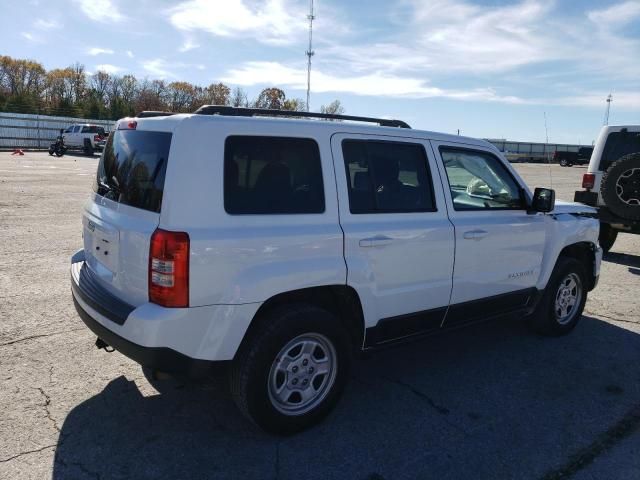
column 159, row 358
column 604, row 214
column 177, row 340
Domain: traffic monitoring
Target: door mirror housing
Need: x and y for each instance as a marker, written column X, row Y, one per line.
column 544, row 200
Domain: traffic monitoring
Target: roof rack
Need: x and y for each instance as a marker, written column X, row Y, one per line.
column 265, row 112
column 154, row 113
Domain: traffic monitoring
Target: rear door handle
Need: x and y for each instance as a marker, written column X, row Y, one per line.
column 475, row 234
column 377, row 241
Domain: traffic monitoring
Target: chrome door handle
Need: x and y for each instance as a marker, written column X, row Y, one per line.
column 377, row 241
column 475, row 234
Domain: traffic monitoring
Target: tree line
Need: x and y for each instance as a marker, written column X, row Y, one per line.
column 27, row 87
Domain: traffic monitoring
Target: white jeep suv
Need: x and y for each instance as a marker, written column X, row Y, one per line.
column 612, row 182
column 280, row 247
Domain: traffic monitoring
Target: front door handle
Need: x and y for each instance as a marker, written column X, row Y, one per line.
column 475, row 234
column 377, row 241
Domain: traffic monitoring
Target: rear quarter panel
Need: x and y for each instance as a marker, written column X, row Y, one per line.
column 238, row 259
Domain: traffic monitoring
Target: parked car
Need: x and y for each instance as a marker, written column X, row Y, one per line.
column 88, row 138
column 612, row 182
column 279, row 248
column 569, row 159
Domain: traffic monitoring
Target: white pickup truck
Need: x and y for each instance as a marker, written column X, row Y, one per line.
column 86, row 137
column 281, row 247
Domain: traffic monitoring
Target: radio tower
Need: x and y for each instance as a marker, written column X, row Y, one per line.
column 606, row 112
column 309, row 52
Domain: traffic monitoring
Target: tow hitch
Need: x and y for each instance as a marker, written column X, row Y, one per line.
column 102, row 345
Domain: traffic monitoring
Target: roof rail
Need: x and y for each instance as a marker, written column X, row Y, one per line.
column 154, row 113
column 265, row 112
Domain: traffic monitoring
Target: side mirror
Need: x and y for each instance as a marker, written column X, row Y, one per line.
column 544, row 200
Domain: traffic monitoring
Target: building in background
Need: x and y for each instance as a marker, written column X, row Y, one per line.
column 531, row 151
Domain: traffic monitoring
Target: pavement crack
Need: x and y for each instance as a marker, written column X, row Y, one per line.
column 47, row 402
column 612, row 318
column 28, row 452
column 79, row 465
column 627, row 425
column 33, row 337
column 438, row 408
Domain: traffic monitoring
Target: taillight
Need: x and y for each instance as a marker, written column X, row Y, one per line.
column 97, row 138
column 169, row 269
column 555, row 155
column 128, row 125
column 588, row 181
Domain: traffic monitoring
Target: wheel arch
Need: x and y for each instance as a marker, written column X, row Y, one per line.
column 341, row 300
column 585, row 253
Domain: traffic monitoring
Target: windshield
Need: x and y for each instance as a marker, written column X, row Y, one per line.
column 132, row 168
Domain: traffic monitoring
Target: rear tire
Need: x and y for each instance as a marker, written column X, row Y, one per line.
column 290, row 371
column 562, row 303
column 607, row 236
column 88, row 149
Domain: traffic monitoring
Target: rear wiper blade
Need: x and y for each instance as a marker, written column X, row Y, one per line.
column 109, row 188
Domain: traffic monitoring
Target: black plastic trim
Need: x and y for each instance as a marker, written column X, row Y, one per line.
column 403, row 328
column 476, row 310
column 586, row 197
column 86, row 286
column 159, row 358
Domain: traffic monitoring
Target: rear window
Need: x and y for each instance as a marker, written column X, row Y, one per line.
column 272, row 175
column 132, row 168
column 93, row 129
column 618, row 145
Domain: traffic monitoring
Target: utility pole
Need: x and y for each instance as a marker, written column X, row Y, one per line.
column 546, row 146
column 310, row 52
column 606, row 112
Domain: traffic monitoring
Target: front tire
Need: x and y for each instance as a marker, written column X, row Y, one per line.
column 290, row 371
column 563, row 300
column 607, row 236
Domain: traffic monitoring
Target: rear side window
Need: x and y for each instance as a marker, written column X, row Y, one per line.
column 93, row 129
column 132, row 169
column 387, row 177
column 272, row 175
column 618, row 145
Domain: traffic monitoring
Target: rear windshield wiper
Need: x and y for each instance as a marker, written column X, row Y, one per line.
column 109, row 188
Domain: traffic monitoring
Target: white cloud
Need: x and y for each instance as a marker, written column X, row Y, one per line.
column 106, row 67
column 158, row 67
column 129, row 53
column 375, row 84
column 188, row 45
column 31, row 37
column 616, row 15
column 103, row 11
column 269, row 21
column 99, row 51
column 42, row 24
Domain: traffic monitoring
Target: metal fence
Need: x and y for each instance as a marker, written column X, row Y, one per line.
column 531, row 151
column 18, row 130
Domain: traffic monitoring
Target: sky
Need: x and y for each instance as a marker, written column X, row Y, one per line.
column 488, row 68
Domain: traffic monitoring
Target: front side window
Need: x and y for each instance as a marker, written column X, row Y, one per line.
column 69, row 130
column 272, row 175
column 76, row 129
column 387, row 177
column 479, row 181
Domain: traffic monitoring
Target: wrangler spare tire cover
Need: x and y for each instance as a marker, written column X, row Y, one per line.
column 621, row 187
